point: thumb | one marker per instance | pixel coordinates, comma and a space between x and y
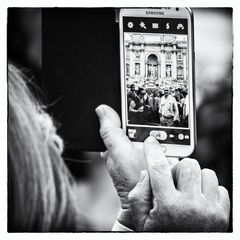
140, 200
113, 136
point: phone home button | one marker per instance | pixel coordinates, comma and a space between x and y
159, 135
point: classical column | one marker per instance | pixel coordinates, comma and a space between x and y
146, 69
163, 65
132, 63
184, 66
159, 69
157, 81
174, 65
142, 64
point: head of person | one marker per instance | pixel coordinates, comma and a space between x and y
41, 193
156, 93
148, 91
132, 87
141, 92
184, 92
166, 91
177, 92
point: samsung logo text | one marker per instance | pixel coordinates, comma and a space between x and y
154, 13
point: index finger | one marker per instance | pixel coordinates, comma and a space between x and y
159, 169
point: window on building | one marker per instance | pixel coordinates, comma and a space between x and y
179, 56
168, 71
137, 54
180, 72
168, 56
127, 69
137, 68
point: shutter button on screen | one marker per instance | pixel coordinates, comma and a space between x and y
159, 135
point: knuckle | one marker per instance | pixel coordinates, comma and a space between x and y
108, 133
190, 166
225, 220
194, 204
190, 162
218, 217
133, 196
104, 132
223, 190
222, 220
106, 137
169, 205
158, 166
157, 209
208, 172
224, 197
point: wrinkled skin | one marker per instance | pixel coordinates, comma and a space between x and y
124, 159
160, 199
187, 200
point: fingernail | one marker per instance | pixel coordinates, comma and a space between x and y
100, 111
151, 139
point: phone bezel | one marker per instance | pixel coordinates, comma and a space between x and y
173, 150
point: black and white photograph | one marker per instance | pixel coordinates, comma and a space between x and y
119, 119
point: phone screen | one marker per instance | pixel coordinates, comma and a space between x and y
156, 79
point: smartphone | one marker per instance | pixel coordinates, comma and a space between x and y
157, 77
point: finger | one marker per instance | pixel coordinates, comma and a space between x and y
107, 115
142, 190
223, 198
210, 184
188, 176
140, 200
159, 169
113, 136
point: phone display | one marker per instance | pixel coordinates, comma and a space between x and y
157, 77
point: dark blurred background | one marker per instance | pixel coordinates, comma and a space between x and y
213, 49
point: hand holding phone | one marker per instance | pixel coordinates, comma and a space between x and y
125, 161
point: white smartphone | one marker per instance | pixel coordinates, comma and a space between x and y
157, 77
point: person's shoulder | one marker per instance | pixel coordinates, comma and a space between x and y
150, 98
129, 93
172, 98
133, 101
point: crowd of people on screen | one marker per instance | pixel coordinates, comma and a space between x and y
165, 106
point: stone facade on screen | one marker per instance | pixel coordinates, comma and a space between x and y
156, 60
